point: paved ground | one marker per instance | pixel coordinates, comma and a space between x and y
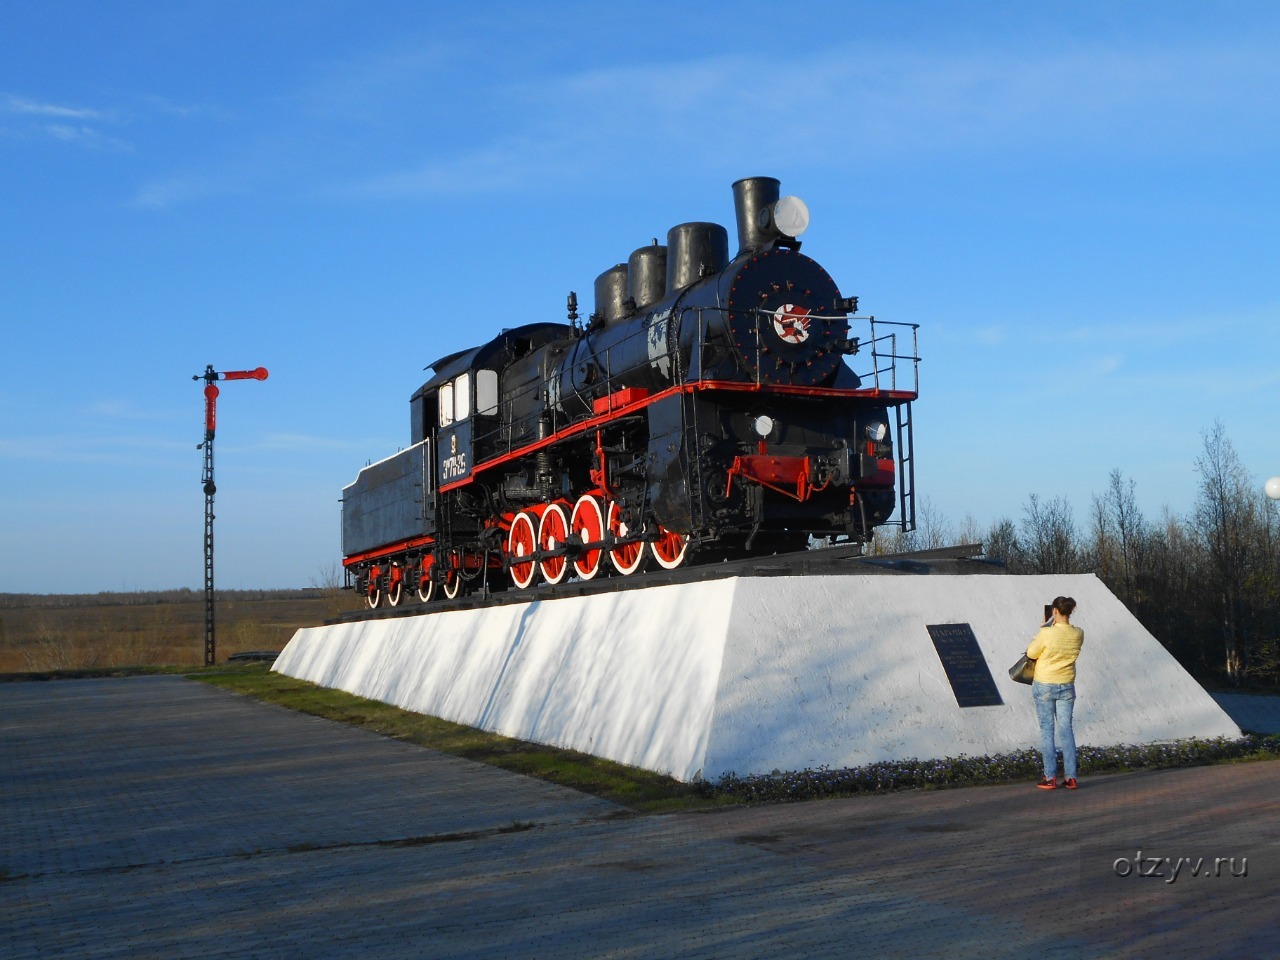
154, 817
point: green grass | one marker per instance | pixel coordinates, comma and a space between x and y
639, 790
646, 792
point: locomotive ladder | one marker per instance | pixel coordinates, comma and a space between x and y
907, 464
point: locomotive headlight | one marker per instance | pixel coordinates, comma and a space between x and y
877, 431
763, 425
791, 216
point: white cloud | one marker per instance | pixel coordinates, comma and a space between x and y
81, 126
1104, 366
24, 106
171, 191
496, 168
87, 136
844, 102
370, 87
166, 107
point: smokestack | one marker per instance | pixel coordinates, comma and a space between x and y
753, 196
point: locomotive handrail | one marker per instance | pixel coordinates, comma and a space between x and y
510, 436
882, 347
892, 355
884, 363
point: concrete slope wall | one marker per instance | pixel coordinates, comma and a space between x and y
630, 676
761, 674
841, 671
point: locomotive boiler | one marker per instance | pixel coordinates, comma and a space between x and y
711, 406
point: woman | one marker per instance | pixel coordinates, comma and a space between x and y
1055, 649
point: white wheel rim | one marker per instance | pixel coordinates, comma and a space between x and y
546, 541
452, 585
516, 550
584, 568
395, 593
426, 591
679, 558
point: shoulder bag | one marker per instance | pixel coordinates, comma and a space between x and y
1023, 671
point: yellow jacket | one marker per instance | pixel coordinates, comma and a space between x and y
1055, 650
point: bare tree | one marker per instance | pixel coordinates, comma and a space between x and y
933, 530
328, 579
888, 540
968, 531
1119, 530
1002, 544
1169, 585
1224, 514
1049, 536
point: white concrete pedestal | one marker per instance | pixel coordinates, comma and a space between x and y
751, 675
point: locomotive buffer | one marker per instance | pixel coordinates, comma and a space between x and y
210, 376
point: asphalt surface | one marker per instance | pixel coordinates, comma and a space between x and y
158, 817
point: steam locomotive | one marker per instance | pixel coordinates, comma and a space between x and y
708, 408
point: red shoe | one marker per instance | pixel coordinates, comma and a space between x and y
1071, 783
1050, 783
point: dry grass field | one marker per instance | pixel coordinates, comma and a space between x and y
41, 633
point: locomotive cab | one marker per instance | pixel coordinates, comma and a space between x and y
467, 407
478, 417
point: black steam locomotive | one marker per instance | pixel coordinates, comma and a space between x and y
708, 408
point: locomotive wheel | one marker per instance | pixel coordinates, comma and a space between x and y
551, 534
395, 588
452, 584
373, 595
521, 542
670, 548
588, 523
627, 558
426, 586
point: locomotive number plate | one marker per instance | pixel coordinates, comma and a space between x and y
455, 453
451, 468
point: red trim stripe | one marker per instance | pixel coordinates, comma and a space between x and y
592, 423
382, 553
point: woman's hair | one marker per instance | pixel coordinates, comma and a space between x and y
1064, 605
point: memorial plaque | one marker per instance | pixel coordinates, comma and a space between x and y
966, 667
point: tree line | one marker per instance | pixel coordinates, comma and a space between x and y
1207, 584
140, 598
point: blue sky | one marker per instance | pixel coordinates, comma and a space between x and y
1078, 204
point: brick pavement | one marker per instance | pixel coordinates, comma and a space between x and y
154, 817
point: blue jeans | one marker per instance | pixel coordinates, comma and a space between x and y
1054, 705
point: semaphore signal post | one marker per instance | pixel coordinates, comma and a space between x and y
210, 377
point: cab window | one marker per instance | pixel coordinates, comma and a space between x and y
462, 397
487, 393
446, 404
